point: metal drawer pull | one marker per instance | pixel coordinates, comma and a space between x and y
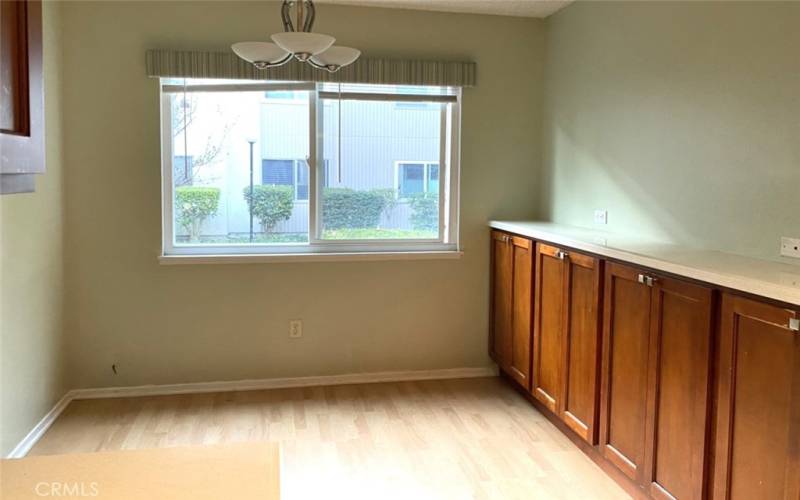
647, 280
794, 324
562, 255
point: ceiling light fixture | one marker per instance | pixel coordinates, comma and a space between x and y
297, 41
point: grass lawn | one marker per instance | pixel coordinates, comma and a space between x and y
328, 234
378, 234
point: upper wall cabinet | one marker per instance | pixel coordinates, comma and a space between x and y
21, 95
758, 402
512, 282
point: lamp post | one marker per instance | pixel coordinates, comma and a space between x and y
251, 142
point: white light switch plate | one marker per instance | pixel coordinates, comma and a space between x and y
601, 216
790, 247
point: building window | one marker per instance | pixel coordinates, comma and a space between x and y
335, 148
292, 173
415, 178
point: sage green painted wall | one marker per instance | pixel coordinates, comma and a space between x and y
31, 274
681, 119
164, 324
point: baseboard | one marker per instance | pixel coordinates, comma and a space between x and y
240, 385
24, 446
281, 383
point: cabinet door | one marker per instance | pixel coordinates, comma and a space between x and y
758, 403
678, 389
502, 279
581, 345
22, 95
626, 339
522, 290
548, 354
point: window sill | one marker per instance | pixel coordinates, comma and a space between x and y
171, 260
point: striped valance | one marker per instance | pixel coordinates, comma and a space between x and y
227, 65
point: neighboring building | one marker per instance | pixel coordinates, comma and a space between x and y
384, 145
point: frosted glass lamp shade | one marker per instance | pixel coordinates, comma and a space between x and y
336, 57
303, 44
259, 53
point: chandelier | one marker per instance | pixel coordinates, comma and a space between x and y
297, 41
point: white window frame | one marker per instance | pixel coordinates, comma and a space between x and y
449, 178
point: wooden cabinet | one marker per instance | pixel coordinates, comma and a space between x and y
548, 338
21, 95
689, 396
678, 389
656, 374
757, 449
512, 286
626, 342
565, 352
502, 283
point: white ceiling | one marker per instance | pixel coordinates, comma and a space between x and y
520, 8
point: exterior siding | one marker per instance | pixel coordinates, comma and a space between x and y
374, 136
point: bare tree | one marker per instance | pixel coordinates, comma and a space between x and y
184, 113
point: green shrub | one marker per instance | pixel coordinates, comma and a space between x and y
344, 208
425, 211
194, 205
390, 200
270, 204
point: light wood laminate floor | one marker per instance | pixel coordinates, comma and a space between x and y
449, 439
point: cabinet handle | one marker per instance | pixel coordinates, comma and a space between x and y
562, 255
794, 324
647, 280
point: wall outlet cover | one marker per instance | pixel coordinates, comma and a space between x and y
790, 247
601, 216
295, 328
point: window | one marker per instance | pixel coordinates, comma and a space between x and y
417, 178
292, 173
268, 167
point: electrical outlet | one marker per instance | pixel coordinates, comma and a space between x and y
601, 216
295, 328
790, 247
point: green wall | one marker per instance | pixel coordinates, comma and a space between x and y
31, 274
681, 119
163, 324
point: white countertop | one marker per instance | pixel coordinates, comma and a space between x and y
773, 280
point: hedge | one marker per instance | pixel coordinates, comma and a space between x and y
270, 204
425, 211
344, 208
194, 205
